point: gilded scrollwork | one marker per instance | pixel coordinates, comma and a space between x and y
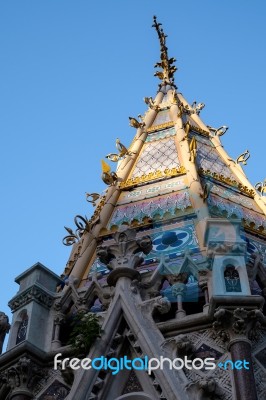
218, 131
243, 158
221, 178
261, 187
82, 224
153, 176
92, 198
160, 127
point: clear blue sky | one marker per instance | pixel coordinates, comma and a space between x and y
71, 72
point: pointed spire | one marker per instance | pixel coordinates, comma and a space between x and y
166, 63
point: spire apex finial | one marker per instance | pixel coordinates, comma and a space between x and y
168, 69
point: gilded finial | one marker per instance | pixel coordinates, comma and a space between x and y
166, 63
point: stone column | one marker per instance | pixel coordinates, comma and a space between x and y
178, 282
245, 385
236, 326
56, 343
203, 284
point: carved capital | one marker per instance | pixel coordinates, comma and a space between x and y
24, 375
203, 279
184, 345
123, 256
179, 289
205, 389
239, 322
162, 304
224, 247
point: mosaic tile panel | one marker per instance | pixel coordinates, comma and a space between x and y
156, 156
162, 117
152, 190
161, 134
209, 159
150, 208
260, 379
56, 391
203, 340
222, 207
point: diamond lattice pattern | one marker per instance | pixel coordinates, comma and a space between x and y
209, 159
156, 156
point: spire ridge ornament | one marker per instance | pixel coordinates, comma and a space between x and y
166, 63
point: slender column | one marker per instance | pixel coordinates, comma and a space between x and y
57, 326
89, 242
235, 326
195, 188
244, 378
203, 284
180, 313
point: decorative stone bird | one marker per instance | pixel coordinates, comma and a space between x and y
123, 151
149, 101
135, 123
197, 107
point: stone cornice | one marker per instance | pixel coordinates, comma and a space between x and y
33, 293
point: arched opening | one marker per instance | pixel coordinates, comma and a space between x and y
22, 323
232, 279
